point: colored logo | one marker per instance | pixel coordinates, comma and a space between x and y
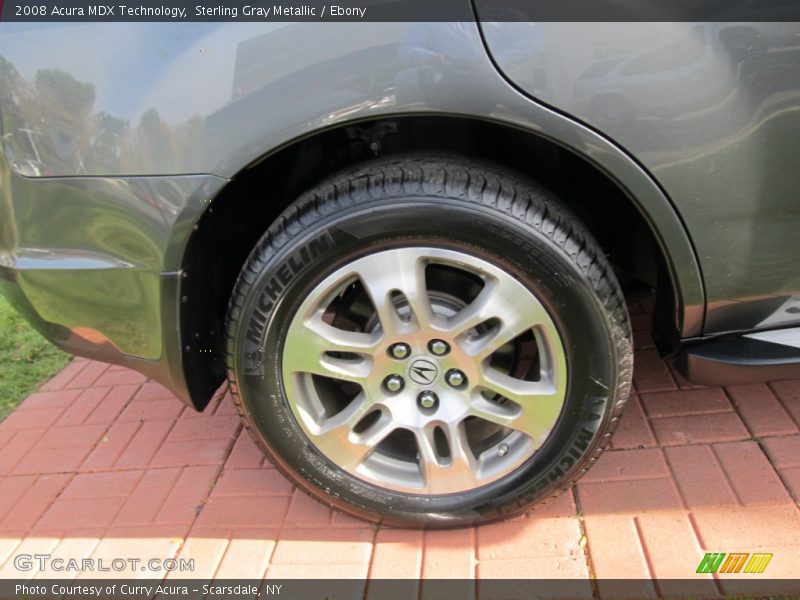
741, 562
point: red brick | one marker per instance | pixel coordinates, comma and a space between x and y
633, 430
789, 393
350, 578
82, 407
8, 544
248, 558
88, 375
112, 378
650, 374
62, 378
628, 464
528, 537
634, 308
136, 542
152, 410
339, 519
563, 505
192, 452
397, 555
77, 545
617, 553
49, 400
763, 526
518, 574
112, 405
153, 391
206, 552
449, 554
673, 554
78, 436
243, 512
31, 418
62, 449
761, 410
792, 479
751, 474
19, 445
102, 485
784, 451
144, 445
226, 407
146, 500
245, 453
252, 482
110, 447
5, 437
31, 546
207, 428
305, 511
699, 429
700, 477
75, 514
335, 546
628, 496
58, 460
641, 322
686, 402
33, 504
642, 339
12, 489
186, 499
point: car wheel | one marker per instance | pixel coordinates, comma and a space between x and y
429, 341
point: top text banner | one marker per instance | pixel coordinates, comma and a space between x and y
403, 10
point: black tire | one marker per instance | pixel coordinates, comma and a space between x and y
452, 202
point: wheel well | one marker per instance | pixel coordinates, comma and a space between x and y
233, 223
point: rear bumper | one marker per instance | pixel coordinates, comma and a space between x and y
93, 263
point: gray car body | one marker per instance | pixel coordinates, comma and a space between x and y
117, 139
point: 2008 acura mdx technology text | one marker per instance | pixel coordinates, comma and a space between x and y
407, 246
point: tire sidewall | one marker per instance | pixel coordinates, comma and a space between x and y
320, 244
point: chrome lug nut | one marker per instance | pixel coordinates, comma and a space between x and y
393, 383
455, 378
438, 347
427, 399
400, 350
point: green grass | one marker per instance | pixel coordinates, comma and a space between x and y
26, 359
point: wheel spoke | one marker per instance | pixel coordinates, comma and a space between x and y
339, 442
501, 301
538, 403
404, 272
443, 472
309, 343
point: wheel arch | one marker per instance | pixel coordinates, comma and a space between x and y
216, 237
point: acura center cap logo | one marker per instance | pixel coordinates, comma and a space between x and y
423, 371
